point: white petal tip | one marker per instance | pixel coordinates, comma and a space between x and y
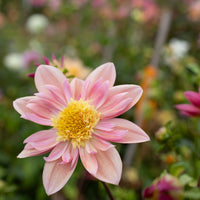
140, 91
114, 182
146, 140
21, 155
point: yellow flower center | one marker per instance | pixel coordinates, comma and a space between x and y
76, 122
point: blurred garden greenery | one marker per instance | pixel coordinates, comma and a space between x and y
91, 33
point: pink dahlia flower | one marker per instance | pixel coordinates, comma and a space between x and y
192, 109
82, 115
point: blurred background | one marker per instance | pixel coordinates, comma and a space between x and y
153, 43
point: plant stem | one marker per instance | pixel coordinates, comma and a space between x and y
107, 190
163, 29
198, 184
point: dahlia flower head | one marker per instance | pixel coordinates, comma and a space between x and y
82, 115
193, 109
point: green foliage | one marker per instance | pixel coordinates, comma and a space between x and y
192, 194
96, 35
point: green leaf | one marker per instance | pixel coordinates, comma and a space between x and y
192, 194
185, 179
194, 68
177, 168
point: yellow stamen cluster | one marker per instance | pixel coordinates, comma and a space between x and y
76, 122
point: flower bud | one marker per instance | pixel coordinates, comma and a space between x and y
164, 187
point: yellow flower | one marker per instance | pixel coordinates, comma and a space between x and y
71, 67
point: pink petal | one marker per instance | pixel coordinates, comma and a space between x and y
76, 87
46, 60
89, 147
43, 109
100, 144
88, 154
56, 175
31, 151
42, 135
48, 103
21, 106
32, 75
48, 75
116, 110
190, 109
88, 88
133, 133
37, 119
133, 91
67, 90
104, 126
42, 140
193, 97
113, 101
187, 114
99, 94
85, 89
39, 143
70, 155
49, 98
57, 94
106, 72
89, 161
75, 154
109, 166
118, 97
114, 135
57, 152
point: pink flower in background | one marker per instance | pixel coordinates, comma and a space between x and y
192, 109
37, 3
194, 10
122, 12
97, 3
149, 9
166, 187
30, 57
82, 115
54, 5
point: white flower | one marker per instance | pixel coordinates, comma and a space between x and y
14, 61
36, 23
179, 48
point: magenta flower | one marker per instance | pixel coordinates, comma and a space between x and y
166, 187
192, 109
82, 115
